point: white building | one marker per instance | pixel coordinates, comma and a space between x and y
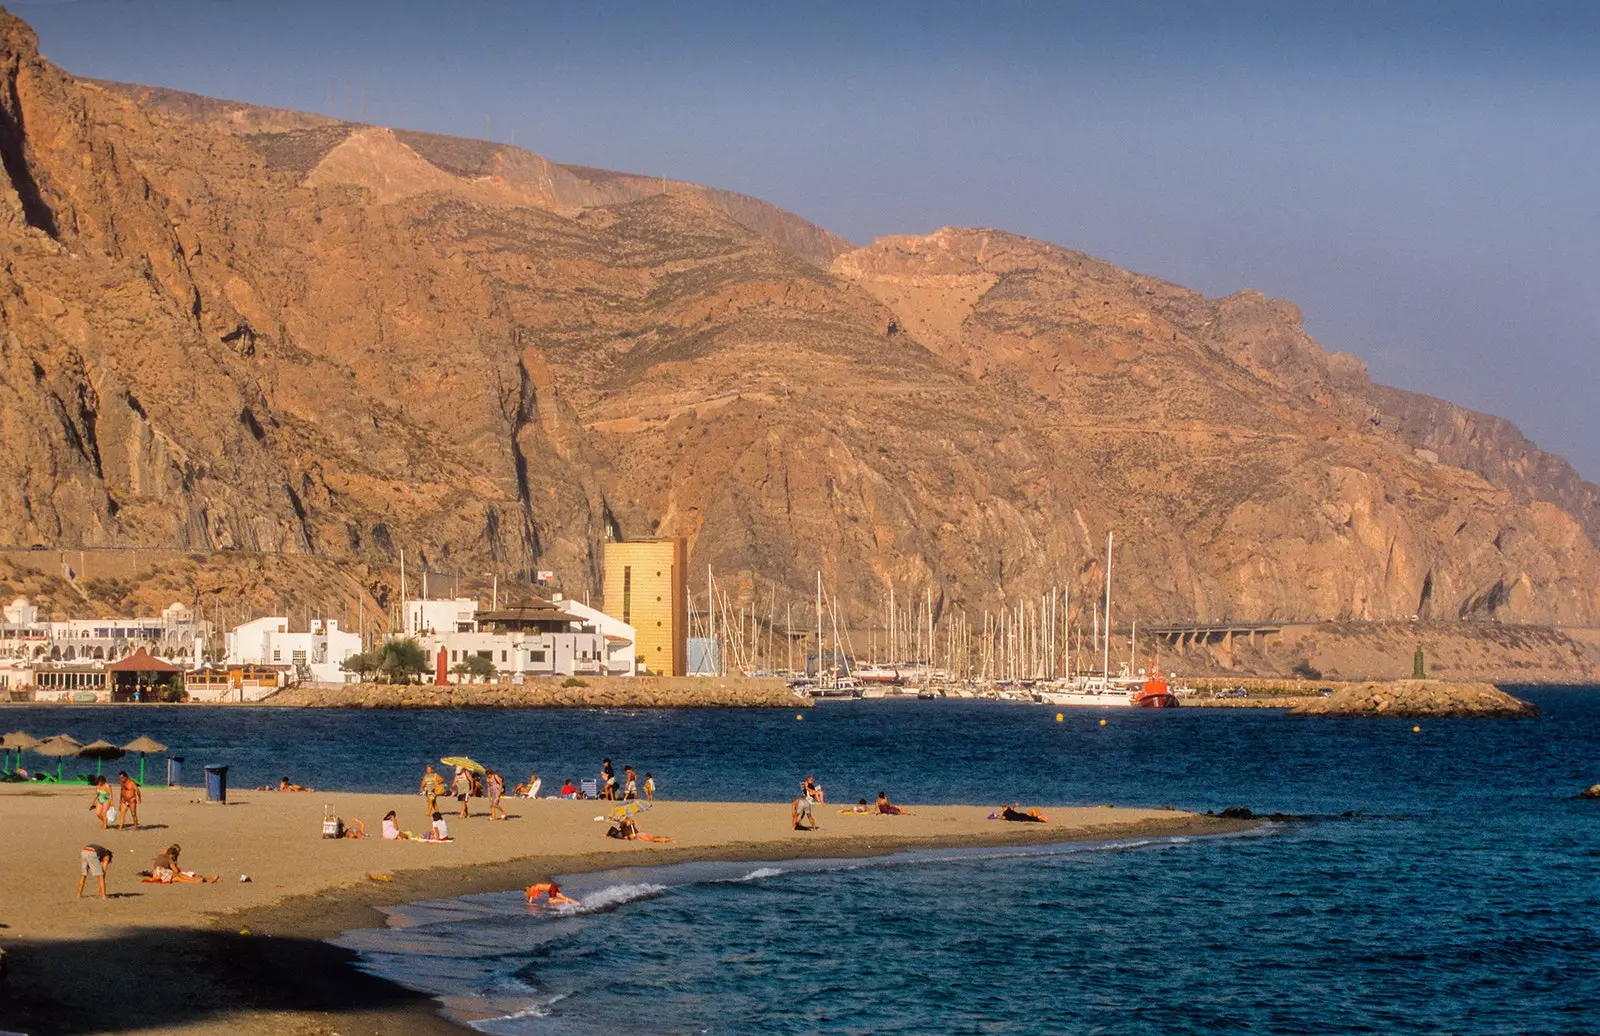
175, 636
546, 638
423, 618
618, 636
315, 654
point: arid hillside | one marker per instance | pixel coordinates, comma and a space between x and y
235, 329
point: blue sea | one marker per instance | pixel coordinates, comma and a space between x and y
1461, 894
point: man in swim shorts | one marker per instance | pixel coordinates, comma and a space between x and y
129, 807
93, 861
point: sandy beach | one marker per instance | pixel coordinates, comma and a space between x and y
247, 957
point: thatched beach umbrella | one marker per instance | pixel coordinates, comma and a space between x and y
17, 741
100, 751
59, 746
143, 745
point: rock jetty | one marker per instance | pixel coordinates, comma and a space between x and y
1417, 698
639, 692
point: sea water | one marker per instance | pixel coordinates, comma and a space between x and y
1462, 894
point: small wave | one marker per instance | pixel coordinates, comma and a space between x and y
761, 872
613, 896
539, 1009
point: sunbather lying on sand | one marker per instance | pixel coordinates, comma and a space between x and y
1032, 816
549, 890
165, 870
860, 807
624, 828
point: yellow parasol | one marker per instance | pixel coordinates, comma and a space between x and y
627, 808
461, 762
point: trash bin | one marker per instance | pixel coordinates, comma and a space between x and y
174, 770
216, 784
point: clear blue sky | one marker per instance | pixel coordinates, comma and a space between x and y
1420, 179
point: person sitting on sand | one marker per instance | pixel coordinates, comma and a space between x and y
567, 790
860, 807
391, 827
93, 860
626, 829
285, 784
100, 802
550, 891
354, 828
800, 816
166, 870
630, 783
1032, 816
128, 809
889, 809
812, 790
439, 832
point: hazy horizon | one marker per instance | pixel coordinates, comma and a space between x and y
1418, 180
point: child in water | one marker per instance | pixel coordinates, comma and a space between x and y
550, 891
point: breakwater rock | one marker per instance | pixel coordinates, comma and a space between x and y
1417, 698
637, 692
1591, 792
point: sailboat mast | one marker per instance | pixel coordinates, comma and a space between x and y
1106, 670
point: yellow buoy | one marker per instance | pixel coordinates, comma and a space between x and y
1416, 730
1059, 717
799, 716
1102, 723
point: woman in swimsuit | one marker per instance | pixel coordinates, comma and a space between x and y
497, 787
167, 872
101, 803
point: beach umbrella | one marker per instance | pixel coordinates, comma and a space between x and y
461, 762
143, 745
17, 741
100, 751
59, 746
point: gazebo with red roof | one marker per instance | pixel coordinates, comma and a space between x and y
139, 677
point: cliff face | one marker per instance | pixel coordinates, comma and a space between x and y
232, 327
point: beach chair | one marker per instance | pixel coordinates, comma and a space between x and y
589, 789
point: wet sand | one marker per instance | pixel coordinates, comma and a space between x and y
248, 958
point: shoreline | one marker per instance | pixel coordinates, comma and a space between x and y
248, 959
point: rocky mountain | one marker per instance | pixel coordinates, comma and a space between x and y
228, 328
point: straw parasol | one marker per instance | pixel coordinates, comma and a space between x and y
461, 762
59, 746
17, 741
100, 751
143, 745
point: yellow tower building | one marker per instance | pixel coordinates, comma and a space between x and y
646, 587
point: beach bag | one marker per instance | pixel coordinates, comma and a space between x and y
111, 815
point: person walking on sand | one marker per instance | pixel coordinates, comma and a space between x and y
129, 808
462, 786
496, 785
432, 787
608, 780
649, 788
93, 860
100, 802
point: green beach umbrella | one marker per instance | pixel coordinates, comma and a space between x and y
100, 751
60, 747
143, 745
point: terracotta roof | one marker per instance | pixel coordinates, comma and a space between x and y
141, 662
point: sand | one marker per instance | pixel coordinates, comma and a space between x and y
247, 957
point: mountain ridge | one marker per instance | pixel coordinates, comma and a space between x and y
217, 330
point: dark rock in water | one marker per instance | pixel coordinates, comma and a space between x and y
1237, 813
1591, 792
